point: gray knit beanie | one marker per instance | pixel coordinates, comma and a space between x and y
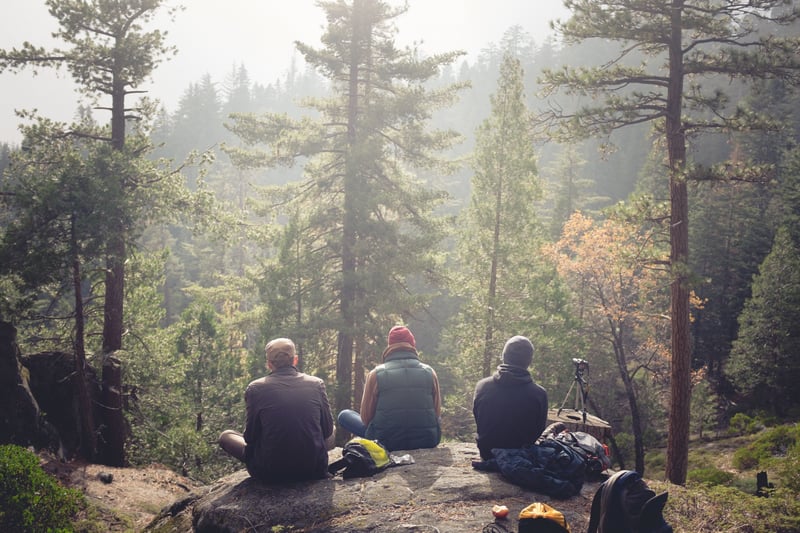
518, 351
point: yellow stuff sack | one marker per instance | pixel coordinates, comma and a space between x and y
541, 518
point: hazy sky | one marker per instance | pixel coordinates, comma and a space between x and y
214, 35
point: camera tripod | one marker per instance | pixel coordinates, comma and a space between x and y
581, 367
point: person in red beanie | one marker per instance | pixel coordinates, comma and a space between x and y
401, 404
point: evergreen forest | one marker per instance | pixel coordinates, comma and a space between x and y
625, 192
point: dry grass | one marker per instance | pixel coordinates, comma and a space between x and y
731, 506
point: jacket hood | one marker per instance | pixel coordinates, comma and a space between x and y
512, 375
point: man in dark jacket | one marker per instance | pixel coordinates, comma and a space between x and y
289, 427
510, 409
401, 404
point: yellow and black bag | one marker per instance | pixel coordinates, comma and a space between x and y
361, 458
541, 518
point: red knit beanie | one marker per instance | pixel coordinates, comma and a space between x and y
401, 334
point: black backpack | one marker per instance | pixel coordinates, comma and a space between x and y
625, 504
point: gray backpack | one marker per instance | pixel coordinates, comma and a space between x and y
594, 453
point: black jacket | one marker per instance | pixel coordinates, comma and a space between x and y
510, 410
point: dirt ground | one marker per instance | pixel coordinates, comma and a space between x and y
127, 500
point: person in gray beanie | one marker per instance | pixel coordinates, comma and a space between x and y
510, 409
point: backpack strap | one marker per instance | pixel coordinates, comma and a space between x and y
594, 515
604, 498
341, 464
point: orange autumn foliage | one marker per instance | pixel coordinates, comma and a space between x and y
619, 278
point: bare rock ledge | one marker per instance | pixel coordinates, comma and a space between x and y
441, 492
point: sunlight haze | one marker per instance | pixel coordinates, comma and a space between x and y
213, 36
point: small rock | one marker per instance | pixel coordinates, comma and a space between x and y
105, 477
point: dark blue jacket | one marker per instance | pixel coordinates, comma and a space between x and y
550, 467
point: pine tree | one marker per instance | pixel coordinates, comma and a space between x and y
763, 363
500, 233
730, 237
5, 158
366, 221
237, 91
58, 204
196, 124
686, 39
109, 55
568, 190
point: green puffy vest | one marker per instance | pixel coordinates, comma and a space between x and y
405, 418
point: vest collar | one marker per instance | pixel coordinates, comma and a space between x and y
400, 350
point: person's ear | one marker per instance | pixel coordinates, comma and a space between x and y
296, 360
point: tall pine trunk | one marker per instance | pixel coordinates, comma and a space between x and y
680, 385
113, 421
488, 348
344, 358
85, 404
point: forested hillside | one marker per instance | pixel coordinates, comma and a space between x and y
535, 191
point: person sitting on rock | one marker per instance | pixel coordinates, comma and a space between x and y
510, 409
401, 404
289, 427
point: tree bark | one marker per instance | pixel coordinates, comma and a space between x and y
86, 407
115, 262
620, 354
113, 419
113, 429
490, 300
680, 384
344, 358
359, 367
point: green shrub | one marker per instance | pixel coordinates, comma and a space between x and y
766, 419
746, 458
774, 442
742, 424
31, 500
709, 476
788, 469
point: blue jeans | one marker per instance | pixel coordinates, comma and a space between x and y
351, 421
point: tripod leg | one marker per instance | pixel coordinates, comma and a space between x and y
566, 398
583, 393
